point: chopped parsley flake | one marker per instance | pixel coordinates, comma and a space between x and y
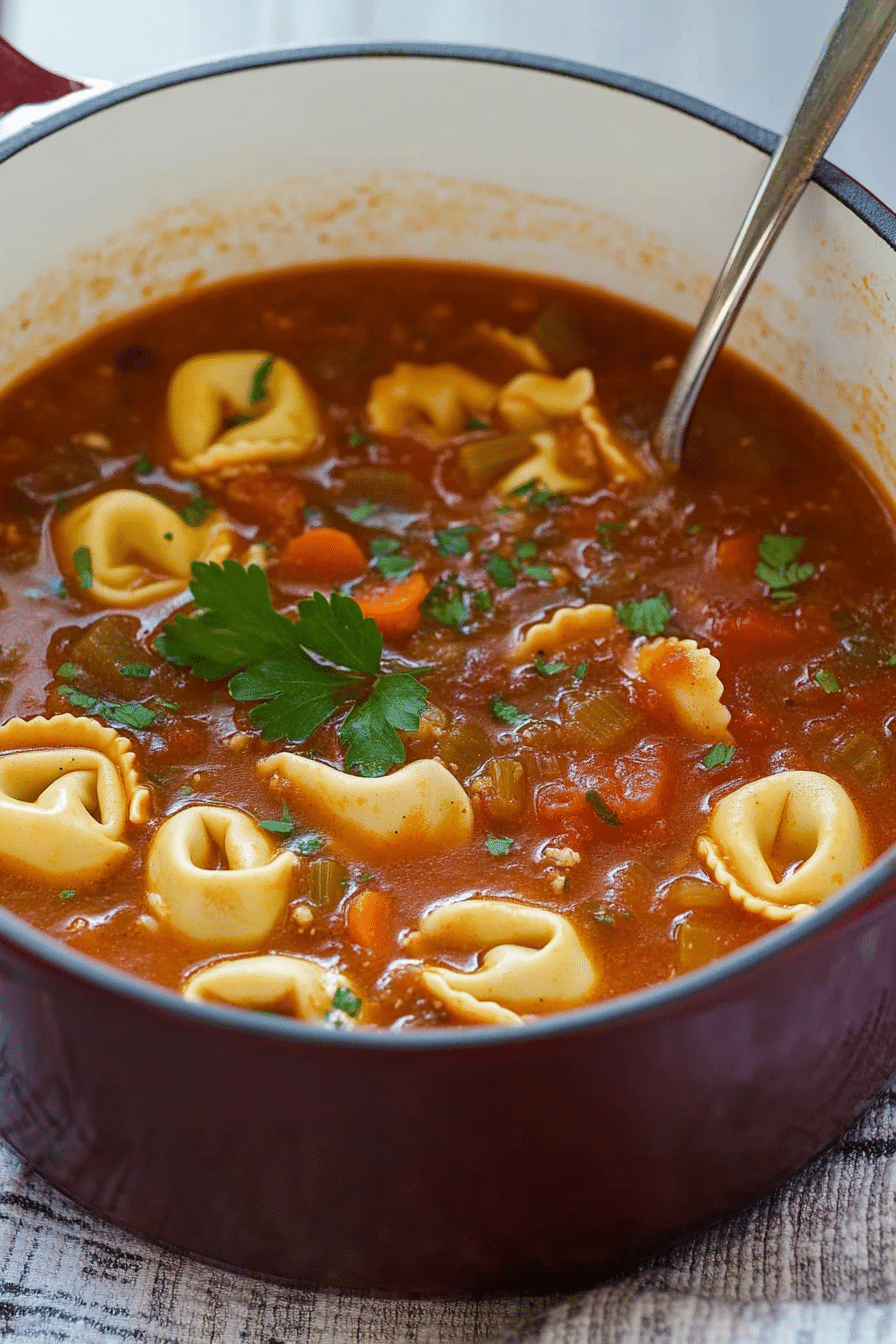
827, 681
720, 754
284, 826
455, 541
475, 423
67, 895
649, 617
501, 571
259, 389
359, 438
387, 560
483, 598
346, 1001
695, 529
57, 588
83, 566
444, 603
580, 670
499, 845
309, 842
361, 512
525, 550
537, 495
605, 813
120, 714
548, 669
132, 670
541, 573
605, 534
68, 671
196, 512
503, 709
603, 914
143, 466
169, 536
778, 566
63, 505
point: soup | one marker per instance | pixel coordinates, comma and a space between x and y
359, 664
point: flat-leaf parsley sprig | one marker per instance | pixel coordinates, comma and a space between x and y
237, 633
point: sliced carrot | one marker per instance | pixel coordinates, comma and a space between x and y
738, 555
324, 553
367, 921
396, 608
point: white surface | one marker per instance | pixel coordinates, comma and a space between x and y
751, 58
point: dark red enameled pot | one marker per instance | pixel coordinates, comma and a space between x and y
482, 1159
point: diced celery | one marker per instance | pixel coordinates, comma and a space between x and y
327, 881
558, 332
484, 460
464, 748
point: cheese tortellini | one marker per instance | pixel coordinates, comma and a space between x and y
141, 551
532, 960
419, 809
213, 875
686, 677
545, 467
782, 844
275, 983
281, 425
430, 400
534, 401
69, 788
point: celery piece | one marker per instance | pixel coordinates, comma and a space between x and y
327, 881
507, 778
484, 460
376, 485
557, 331
464, 748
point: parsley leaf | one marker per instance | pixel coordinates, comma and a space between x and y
604, 531
131, 670
68, 895
503, 709
361, 512
196, 512
444, 603
827, 681
525, 550
501, 571
303, 695
396, 701
720, 754
143, 466
346, 1001
388, 562
259, 389
498, 845
606, 814
778, 566
284, 826
541, 573
68, 671
309, 842
339, 631
120, 714
548, 669
483, 598
537, 495
358, 438
475, 423
580, 670
83, 566
649, 617
455, 541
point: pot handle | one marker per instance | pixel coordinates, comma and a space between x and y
21, 81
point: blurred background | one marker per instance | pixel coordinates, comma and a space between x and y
752, 58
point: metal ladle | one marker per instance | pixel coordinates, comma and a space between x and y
853, 49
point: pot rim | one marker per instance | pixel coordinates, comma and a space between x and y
669, 995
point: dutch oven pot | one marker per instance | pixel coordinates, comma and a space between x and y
484, 1158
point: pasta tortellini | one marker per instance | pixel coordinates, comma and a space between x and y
433, 400
532, 960
420, 808
207, 389
140, 550
567, 626
213, 875
686, 676
782, 844
523, 348
281, 983
69, 787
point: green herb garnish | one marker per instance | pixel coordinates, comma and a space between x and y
143, 466
358, 438
483, 598
455, 541
541, 573
283, 826
68, 671
537, 495
718, 755
605, 531
827, 681
387, 560
548, 669
525, 550
503, 709
580, 670
346, 1001
649, 617
606, 814
501, 571
602, 913
444, 603
238, 634
778, 568
132, 670
361, 512
68, 894
83, 566
196, 512
475, 423
63, 505
259, 389
309, 842
120, 714
498, 845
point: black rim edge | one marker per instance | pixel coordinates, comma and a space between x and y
611, 1012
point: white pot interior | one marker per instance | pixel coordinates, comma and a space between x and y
452, 159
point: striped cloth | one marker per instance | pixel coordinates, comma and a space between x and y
815, 1262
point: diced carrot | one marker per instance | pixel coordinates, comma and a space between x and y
367, 921
561, 804
324, 553
738, 554
396, 608
638, 786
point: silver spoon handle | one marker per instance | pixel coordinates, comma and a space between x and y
853, 49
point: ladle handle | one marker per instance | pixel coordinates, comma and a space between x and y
853, 49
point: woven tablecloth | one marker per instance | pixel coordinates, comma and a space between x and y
814, 1261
